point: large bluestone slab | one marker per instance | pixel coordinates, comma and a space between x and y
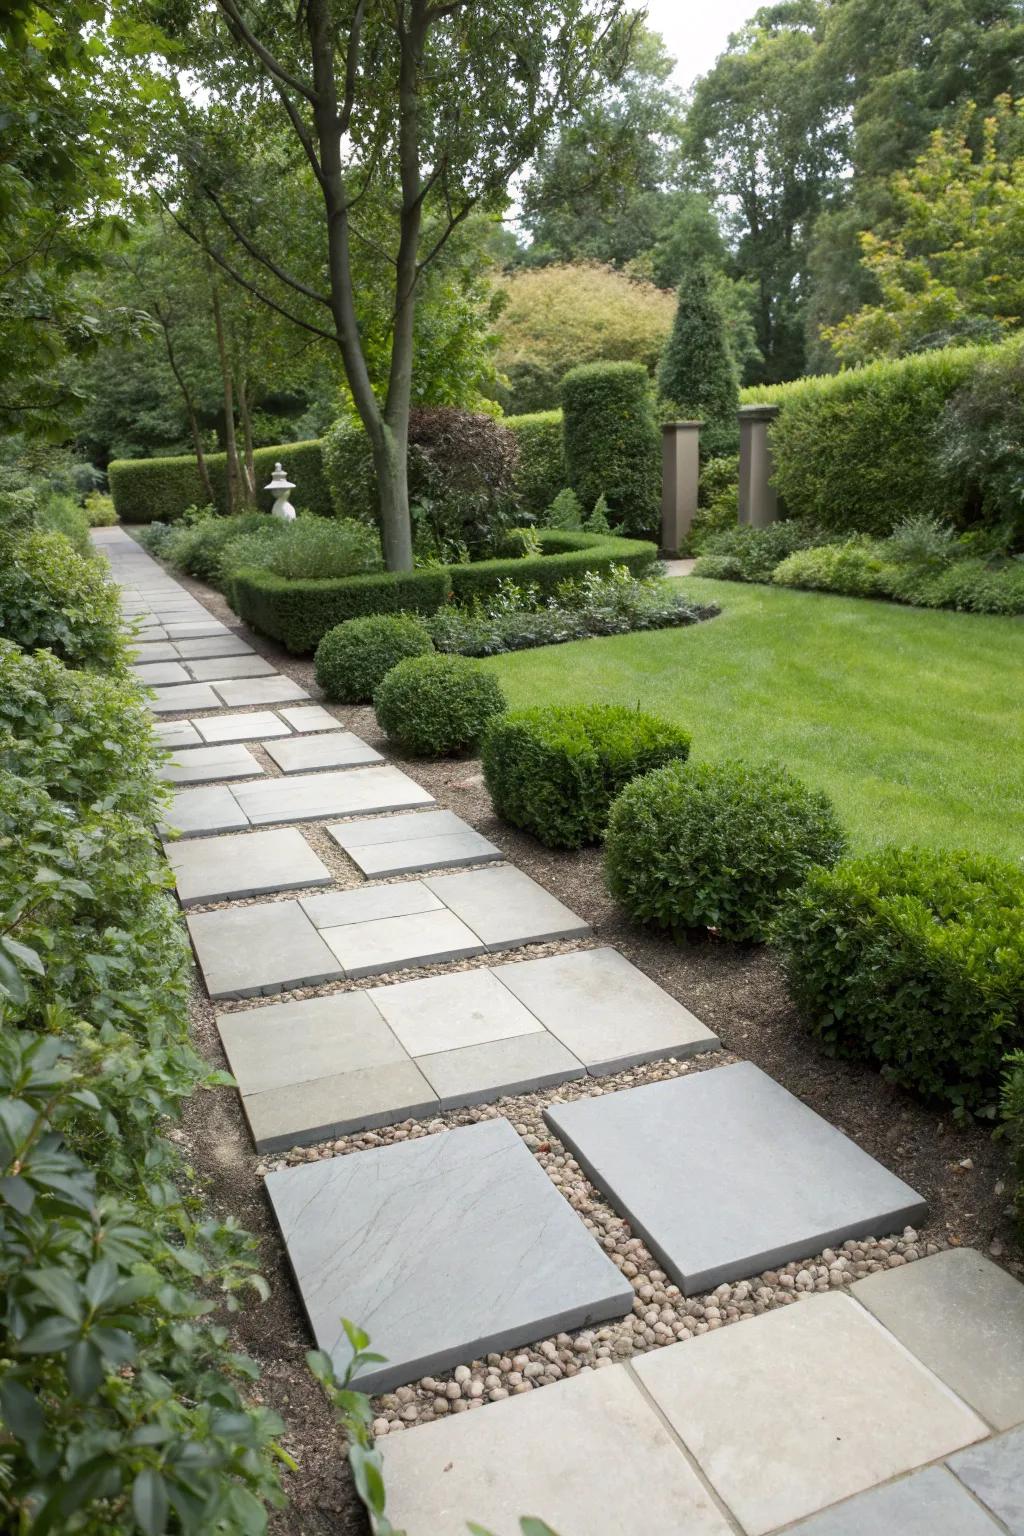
310, 717
391, 943
246, 951
803, 1407
320, 1067
927, 1503
332, 749
199, 765
200, 812
589, 1455
606, 1011
195, 629
725, 1174
444, 1013
154, 650
245, 691
256, 726
214, 645
176, 733
476, 1074
994, 1472
252, 864
215, 669
406, 845
964, 1317
445, 1248
506, 908
349, 792
183, 696
157, 674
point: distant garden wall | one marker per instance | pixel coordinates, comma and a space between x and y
159, 490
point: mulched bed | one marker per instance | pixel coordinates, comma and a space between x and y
737, 992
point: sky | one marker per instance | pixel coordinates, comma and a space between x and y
696, 31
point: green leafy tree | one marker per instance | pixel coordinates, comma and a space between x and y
697, 372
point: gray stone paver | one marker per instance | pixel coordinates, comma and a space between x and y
445, 1248
422, 938
802, 1407
303, 1039
198, 812
246, 951
964, 1317
311, 717
154, 650
332, 749
590, 1455
254, 727
183, 696
994, 1472
476, 1074
443, 1013
347, 792
360, 1100
927, 1503
506, 908
176, 733
249, 864
725, 1174
194, 629
239, 693
605, 1010
409, 844
147, 633
214, 645
366, 904
197, 765
214, 669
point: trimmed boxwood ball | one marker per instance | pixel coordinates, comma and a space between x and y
555, 772
352, 658
716, 846
913, 959
436, 706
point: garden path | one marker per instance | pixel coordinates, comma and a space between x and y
895, 1400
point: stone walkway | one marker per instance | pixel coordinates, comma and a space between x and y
894, 1403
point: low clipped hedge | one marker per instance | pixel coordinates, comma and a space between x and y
555, 772
353, 658
913, 959
436, 705
716, 846
541, 472
299, 613
159, 490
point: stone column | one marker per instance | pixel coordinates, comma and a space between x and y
680, 459
759, 504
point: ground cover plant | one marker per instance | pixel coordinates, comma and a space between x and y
716, 846
437, 706
909, 720
555, 771
914, 960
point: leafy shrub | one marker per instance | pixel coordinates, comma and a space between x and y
54, 598
971, 586
717, 502
198, 546
1012, 1129
353, 658
155, 537
759, 550
980, 440
612, 442
716, 846
540, 471
597, 521
436, 706
348, 466
855, 569
913, 959
99, 509
555, 771
564, 512
322, 548
921, 540
60, 514
719, 568
159, 490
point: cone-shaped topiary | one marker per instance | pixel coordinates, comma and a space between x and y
697, 373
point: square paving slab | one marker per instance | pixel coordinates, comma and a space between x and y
964, 1317
243, 691
802, 1407
475, 1074
994, 1472
246, 951
399, 845
176, 733
391, 943
175, 700
349, 792
443, 1013
506, 908
608, 1013
195, 629
333, 749
445, 1248
213, 669
928, 1503
214, 645
252, 864
197, 765
157, 674
311, 717
361, 1100
197, 812
256, 726
146, 633
155, 650
367, 903
725, 1174
588, 1455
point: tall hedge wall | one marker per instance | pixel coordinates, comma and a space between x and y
612, 442
860, 450
152, 490
541, 472
299, 613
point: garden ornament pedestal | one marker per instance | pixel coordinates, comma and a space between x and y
281, 485
680, 458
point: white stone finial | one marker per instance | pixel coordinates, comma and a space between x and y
281, 485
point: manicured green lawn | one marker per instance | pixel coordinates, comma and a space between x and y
912, 721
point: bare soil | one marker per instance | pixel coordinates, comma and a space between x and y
736, 991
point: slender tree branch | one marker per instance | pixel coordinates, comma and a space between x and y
265, 261
439, 245
301, 131
351, 66
238, 26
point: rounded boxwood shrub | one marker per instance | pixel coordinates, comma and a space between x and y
716, 845
555, 772
353, 658
912, 958
434, 706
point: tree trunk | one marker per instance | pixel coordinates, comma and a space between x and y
231, 475
391, 465
193, 419
249, 465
